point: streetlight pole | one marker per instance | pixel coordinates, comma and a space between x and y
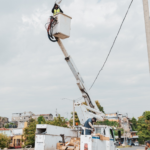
73, 110
73, 114
147, 26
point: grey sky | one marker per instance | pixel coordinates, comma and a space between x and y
34, 75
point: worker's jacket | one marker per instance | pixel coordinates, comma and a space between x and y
88, 132
54, 11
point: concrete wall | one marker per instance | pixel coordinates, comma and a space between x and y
17, 131
6, 132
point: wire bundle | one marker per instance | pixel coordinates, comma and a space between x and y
51, 24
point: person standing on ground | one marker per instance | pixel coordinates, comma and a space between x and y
89, 124
147, 145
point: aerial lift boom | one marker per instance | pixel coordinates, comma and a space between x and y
80, 82
84, 112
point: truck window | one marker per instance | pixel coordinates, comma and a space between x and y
112, 134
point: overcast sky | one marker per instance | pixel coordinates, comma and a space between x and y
34, 75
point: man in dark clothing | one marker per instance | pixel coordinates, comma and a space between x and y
56, 9
89, 124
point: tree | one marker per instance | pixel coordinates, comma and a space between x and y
143, 127
147, 115
58, 121
10, 125
119, 129
29, 133
41, 120
76, 119
4, 141
99, 106
108, 123
134, 124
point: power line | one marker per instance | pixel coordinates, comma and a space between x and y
112, 45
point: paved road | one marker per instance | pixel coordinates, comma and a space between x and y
133, 148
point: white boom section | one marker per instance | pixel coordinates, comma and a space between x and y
80, 82
84, 112
147, 26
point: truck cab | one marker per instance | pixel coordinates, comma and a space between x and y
102, 138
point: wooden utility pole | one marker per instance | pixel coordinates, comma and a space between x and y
147, 26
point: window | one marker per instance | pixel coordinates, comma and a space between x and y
111, 134
104, 132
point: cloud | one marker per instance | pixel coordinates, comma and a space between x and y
34, 75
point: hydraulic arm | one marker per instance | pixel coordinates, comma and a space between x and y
84, 112
77, 75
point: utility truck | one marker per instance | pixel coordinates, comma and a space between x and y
50, 137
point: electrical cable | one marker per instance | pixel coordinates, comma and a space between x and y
112, 45
51, 24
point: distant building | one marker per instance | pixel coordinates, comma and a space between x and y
6, 131
112, 117
15, 134
47, 117
21, 118
124, 123
3, 121
17, 138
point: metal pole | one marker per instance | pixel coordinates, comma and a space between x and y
73, 114
124, 137
147, 26
62, 48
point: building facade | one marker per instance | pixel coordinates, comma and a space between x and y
47, 117
3, 121
16, 136
7, 132
21, 118
129, 136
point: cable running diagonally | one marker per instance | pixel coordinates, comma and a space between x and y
112, 45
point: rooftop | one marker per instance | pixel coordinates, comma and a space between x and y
1, 129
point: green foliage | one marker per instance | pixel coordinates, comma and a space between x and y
41, 120
119, 129
147, 115
76, 119
10, 125
29, 133
58, 121
4, 141
99, 106
143, 127
108, 123
7, 125
134, 124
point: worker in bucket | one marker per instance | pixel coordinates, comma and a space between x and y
89, 124
56, 9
